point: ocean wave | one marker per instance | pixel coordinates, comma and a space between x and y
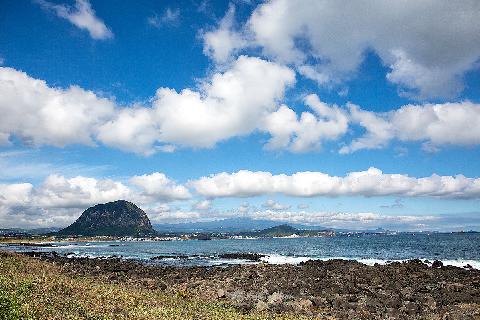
281, 259
475, 264
78, 245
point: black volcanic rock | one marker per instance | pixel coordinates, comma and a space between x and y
118, 218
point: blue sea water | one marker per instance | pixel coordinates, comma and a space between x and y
457, 249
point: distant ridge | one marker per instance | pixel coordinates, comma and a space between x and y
229, 225
117, 218
286, 230
277, 231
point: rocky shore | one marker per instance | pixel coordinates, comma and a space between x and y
326, 289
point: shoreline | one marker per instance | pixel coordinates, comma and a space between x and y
336, 288
225, 258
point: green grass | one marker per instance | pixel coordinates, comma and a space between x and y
34, 289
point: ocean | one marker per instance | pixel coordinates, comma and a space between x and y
458, 249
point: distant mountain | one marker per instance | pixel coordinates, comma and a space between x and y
285, 230
40, 231
230, 225
36, 231
221, 226
118, 218
277, 231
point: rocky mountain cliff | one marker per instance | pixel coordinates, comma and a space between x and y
118, 218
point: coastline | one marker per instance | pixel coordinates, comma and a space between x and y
367, 249
333, 288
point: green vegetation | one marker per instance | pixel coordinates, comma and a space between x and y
34, 289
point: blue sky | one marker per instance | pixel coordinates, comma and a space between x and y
199, 110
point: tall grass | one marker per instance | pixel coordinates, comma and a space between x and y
34, 289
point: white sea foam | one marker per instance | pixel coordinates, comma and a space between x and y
279, 259
230, 261
95, 256
79, 245
475, 264
371, 262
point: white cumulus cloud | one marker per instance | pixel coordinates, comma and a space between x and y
202, 205
58, 200
351, 220
39, 114
232, 103
223, 41
273, 205
131, 129
244, 99
159, 186
77, 192
15, 193
434, 124
427, 45
369, 183
307, 132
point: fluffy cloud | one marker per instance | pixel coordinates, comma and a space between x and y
82, 16
202, 205
220, 43
78, 192
60, 192
244, 208
58, 200
35, 217
131, 129
239, 101
369, 183
353, 220
243, 183
15, 194
378, 131
309, 131
39, 114
450, 123
232, 103
350, 220
273, 205
435, 42
434, 124
55, 202
159, 186
176, 216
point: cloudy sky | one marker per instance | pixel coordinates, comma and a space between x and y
336, 113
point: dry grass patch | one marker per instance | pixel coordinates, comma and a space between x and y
34, 289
